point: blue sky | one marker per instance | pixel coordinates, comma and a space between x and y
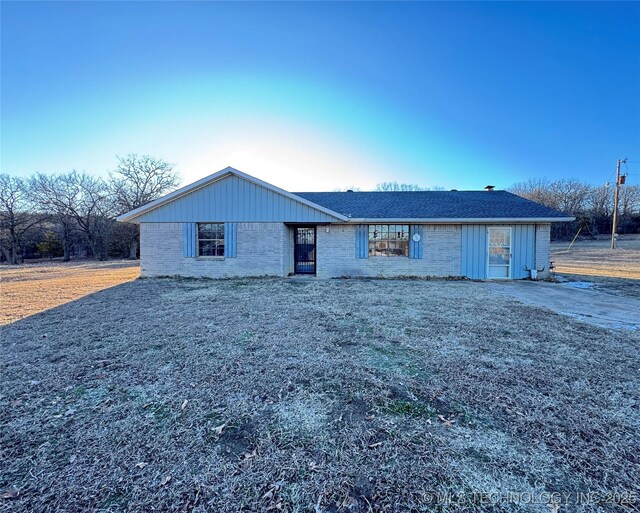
316, 96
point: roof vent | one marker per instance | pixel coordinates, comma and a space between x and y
489, 187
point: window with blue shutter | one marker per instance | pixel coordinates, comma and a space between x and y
210, 240
388, 240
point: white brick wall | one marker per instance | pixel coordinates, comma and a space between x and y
266, 249
161, 248
337, 254
288, 251
543, 241
260, 250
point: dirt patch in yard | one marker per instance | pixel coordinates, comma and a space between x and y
332, 396
32, 288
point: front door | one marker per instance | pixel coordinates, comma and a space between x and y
304, 250
499, 258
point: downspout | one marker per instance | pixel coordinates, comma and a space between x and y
535, 248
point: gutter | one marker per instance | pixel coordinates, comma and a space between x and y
461, 220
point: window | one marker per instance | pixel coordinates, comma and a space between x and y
211, 239
389, 240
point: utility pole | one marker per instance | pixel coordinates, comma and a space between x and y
616, 193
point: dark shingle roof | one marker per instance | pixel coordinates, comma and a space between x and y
431, 205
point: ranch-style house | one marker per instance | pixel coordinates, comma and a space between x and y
231, 224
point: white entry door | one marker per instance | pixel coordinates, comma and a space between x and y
499, 257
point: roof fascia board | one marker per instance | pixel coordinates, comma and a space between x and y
463, 220
207, 180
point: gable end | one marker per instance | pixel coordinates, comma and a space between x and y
231, 197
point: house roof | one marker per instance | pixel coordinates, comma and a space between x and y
434, 205
207, 180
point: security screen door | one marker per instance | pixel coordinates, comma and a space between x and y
305, 250
499, 261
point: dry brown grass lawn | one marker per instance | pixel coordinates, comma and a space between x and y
595, 258
32, 288
318, 396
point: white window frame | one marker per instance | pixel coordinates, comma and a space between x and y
510, 273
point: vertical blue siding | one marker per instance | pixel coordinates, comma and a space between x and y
362, 241
523, 249
234, 199
230, 240
415, 248
189, 240
474, 250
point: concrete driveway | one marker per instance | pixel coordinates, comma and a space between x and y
588, 305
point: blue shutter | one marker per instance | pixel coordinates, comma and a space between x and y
189, 240
415, 248
230, 236
362, 241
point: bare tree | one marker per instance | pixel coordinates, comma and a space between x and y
570, 195
138, 180
55, 197
93, 210
592, 206
600, 201
567, 195
17, 217
629, 201
535, 189
395, 187
76, 201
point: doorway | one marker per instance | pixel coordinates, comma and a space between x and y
499, 257
304, 250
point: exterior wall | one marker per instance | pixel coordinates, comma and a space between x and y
523, 250
336, 254
234, 199
288, 251
259, 252
526, 242
266, 249
474, 251
543, 245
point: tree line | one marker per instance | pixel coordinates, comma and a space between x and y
591, 205
72, 215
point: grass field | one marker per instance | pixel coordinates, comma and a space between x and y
595, 258
320, 396
615, 272
31, 288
